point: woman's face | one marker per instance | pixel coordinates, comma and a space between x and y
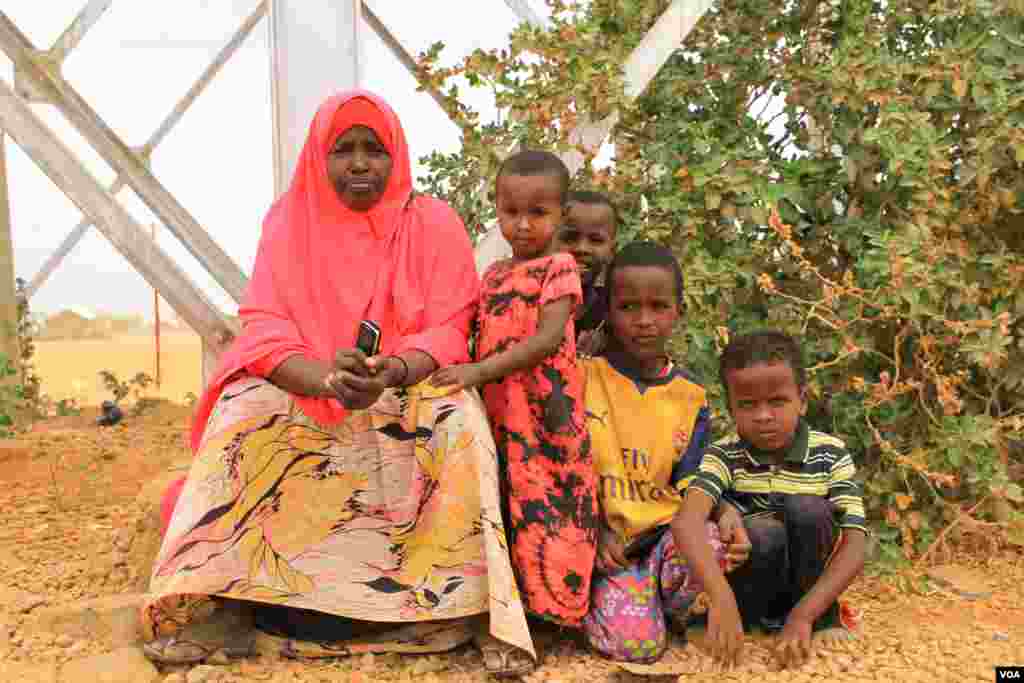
358, 166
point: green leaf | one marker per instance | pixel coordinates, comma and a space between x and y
1014, 493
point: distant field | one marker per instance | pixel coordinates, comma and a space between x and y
71, 368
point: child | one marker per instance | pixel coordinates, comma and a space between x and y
589, 234
649, 423
805, 515
533, 390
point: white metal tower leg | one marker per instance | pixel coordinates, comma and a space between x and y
130, 238
8, 299
400, 52
74, 33
522, 9
76, 234
315, 52
47, 80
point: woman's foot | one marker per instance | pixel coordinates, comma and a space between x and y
502, 660
228, 630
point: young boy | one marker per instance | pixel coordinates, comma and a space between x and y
804, 511
649, 423
591, 223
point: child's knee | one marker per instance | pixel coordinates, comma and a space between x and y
622, 648
811, 511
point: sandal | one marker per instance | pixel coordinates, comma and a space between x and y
229, 631
502, 660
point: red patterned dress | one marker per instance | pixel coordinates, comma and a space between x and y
549, 487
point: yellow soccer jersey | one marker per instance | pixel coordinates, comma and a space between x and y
647, 438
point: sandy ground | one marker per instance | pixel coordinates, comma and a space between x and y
71, 368
67, 487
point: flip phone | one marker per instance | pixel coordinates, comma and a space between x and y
368, 340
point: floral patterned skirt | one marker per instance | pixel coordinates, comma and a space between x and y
629, 607
391, 516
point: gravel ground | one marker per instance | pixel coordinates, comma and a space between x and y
67, 490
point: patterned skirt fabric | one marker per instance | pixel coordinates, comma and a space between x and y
392, 516
629, 607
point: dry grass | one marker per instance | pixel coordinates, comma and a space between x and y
70, 369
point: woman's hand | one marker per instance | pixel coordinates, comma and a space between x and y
458, 377
611, 551
355, 383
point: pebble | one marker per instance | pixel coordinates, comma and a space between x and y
29, 602
122, 539
1000, 636
203, 674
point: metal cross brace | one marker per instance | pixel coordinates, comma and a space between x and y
124, 232
62, 47
165, 127
121, 158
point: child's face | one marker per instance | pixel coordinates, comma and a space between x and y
766, 404
529, 211
643, 310
589, 235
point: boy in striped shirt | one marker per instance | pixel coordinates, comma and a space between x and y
803, 509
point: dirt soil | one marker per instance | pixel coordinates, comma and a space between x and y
67, 488
70, 368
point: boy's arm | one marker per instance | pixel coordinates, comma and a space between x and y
727, 516
725, 628
846, 564
697, 442
519, 356
844, 492
690, 534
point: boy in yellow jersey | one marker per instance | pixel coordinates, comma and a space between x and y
649, 423
803, 508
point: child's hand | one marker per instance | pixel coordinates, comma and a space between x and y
725, 630
737, 549
794, 645
458, 377
734, 536
590, 343
611, 552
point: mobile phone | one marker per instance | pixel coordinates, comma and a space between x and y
368, 340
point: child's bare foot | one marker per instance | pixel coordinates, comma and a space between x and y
837, 636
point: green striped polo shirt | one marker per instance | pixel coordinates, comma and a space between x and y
817, 464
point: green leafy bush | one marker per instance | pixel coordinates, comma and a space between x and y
851, 172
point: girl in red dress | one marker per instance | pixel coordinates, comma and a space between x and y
533, 389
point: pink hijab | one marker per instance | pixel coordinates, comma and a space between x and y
406, 264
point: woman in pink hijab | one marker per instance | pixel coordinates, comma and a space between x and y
331, 487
